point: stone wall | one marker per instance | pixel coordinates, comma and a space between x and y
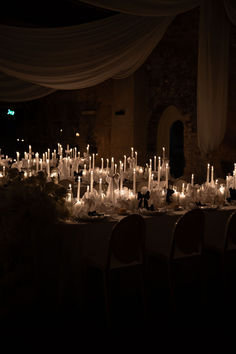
118, 114
172, 76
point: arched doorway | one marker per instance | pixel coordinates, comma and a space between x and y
176, 148
167, 130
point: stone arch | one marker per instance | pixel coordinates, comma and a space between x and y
170, 115
176, 155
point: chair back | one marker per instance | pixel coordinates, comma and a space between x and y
230, 232
188, 232
128, 240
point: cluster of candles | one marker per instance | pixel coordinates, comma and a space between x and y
156, 172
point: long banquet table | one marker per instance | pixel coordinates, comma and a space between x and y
78, 242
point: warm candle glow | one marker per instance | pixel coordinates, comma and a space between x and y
78, 189
192, 180
163, 153
132, 152
100, 186
91, 181
134, 181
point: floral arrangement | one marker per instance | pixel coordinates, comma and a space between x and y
28, 208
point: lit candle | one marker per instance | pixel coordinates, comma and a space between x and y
68, 165
112, 165
163, 153
89, 163
48, 168
159, 172
37, 161
150, 164
18, 156
132, 152
167, 174
222, 190
176, 197
208, 174
155, 163
30, 150
149, 179
100, 186
124, 163
87, 189
115, 168
181, 198
49, 154
102, 163
91, 181
136, 158
78, 189
121, 166
212, 175
40, 164
227, 181
88, 149
93, 161
192, 180
134, 181
84, 171
107, 164
69, 194
121, 180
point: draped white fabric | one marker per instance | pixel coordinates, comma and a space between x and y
146, 7
37, 61
212, 75
15, 90
230, 7
80, 56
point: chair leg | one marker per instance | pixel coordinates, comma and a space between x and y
143, 293
171, 288
107, 297
203, 281
223, 278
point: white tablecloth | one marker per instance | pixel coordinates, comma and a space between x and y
89, 240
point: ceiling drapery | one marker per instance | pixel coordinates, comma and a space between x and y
37, 61
212, 80
15, 90
80, 56
146, 7
230, 7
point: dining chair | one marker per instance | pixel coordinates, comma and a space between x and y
185, 256
187, 249
125, 250
228, 253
